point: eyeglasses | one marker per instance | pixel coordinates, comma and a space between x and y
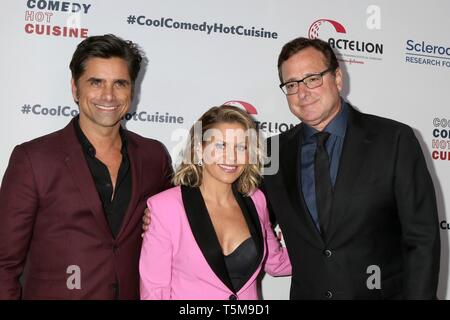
311, 82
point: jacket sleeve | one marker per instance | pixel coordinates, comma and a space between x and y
277, 262
155, 265
167, 170
416, 202
18, 206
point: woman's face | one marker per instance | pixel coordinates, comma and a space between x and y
224, 153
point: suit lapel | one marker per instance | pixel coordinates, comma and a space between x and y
136, 176
204, 233
290, 166
81, 175
357, 141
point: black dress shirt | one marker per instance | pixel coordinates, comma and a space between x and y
114, 207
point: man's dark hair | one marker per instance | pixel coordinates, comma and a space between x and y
298, 44
106, 46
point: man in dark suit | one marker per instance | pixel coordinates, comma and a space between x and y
353, 195
71, 202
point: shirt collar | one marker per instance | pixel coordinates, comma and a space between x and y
336, 127
88, 147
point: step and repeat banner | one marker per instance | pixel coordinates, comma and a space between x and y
395, 56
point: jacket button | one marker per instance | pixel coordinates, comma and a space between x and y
327, 253
328, 294
232, 297
115, 248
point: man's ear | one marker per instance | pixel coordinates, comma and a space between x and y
74, 90
339, 79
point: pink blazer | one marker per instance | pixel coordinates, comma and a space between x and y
182, 259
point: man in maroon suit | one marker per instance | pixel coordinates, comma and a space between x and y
71, 202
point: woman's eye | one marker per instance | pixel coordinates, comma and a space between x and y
220, 145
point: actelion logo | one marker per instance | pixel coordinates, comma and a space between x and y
242, 104
268, 127
314, 28
347, 50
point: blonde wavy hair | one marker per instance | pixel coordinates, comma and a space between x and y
189, 172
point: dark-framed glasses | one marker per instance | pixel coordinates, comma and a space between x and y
311, 82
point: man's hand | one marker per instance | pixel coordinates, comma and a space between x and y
145, 221
279, 235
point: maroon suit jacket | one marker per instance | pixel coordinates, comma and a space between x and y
51, 218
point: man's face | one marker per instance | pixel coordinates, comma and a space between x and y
103, 93
315, 107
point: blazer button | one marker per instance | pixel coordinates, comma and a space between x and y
232, 297
115, 248
327, 253
328, 294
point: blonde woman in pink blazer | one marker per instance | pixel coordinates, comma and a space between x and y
210, 236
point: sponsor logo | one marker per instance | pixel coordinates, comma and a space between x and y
56, 18
444, 225
424, 53
242, 104
314, 28
67, 111
347, 49
204, 27
440, 143
268, 127
164, 117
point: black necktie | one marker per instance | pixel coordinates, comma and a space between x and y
324, 189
